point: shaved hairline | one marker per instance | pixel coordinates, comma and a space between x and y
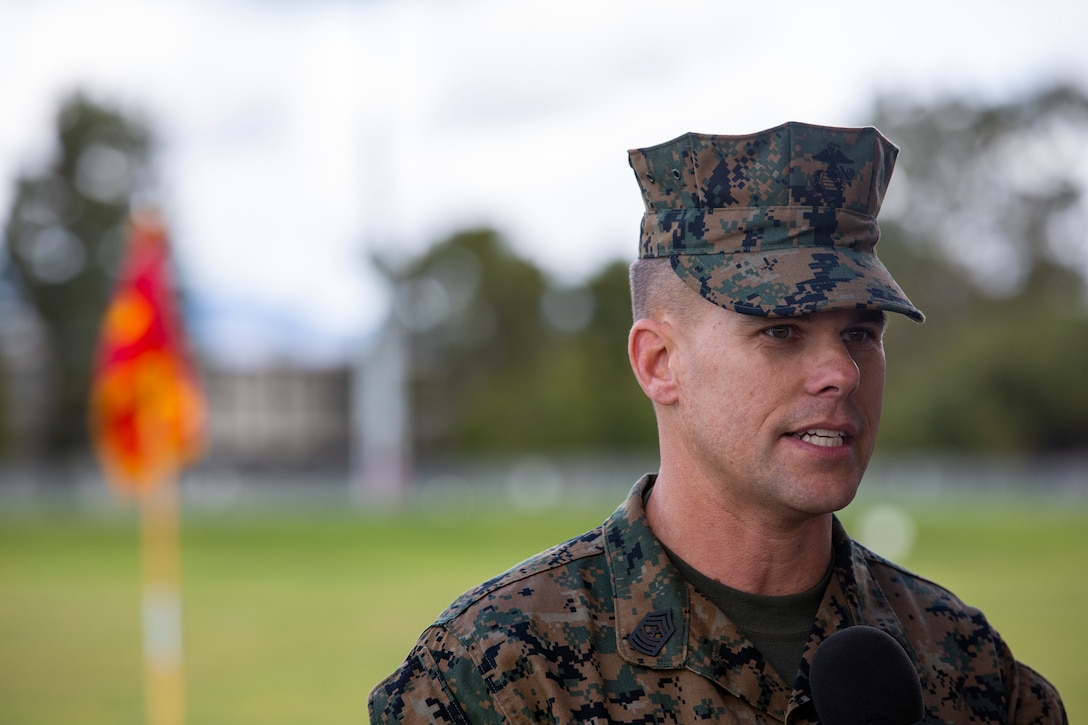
657, 290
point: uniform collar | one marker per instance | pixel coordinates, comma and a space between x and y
663, 623
646, 584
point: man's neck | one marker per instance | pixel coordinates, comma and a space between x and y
750, 550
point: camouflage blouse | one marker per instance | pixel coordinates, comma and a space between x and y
604, 629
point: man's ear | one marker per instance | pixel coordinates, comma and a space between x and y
650, 346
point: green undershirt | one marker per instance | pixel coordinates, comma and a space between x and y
778, 626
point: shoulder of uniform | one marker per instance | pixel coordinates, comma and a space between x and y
547, 570
887, 570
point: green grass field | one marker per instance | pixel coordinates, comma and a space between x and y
293, 617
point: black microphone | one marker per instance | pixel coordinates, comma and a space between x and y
862, 675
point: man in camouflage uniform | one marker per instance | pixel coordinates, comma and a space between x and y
707, 593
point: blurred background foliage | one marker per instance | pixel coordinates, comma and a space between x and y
505, 360
985, 227
988, 233
64, 237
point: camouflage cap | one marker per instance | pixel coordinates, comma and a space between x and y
777, 223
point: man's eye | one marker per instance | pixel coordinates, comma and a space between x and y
778, 332
858, 335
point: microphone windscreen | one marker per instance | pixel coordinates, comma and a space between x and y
862, 675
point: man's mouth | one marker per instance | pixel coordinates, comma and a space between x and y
821, 437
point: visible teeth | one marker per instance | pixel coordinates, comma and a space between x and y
822, 437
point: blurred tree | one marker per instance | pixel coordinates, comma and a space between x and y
64, 238
621, 415
577, 393
504, 361
996, 190
469, 309
985, 229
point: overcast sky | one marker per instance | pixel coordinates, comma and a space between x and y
300, 136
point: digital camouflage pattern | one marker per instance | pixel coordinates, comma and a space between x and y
604, 629
777, 223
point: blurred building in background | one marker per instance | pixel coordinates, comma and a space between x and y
278, 417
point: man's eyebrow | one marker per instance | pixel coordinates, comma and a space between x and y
762, 320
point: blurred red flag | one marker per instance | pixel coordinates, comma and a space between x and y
146, 408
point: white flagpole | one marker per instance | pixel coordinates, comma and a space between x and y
162, 637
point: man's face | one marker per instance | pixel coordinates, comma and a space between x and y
782, 413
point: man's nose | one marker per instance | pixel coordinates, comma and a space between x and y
833, 369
